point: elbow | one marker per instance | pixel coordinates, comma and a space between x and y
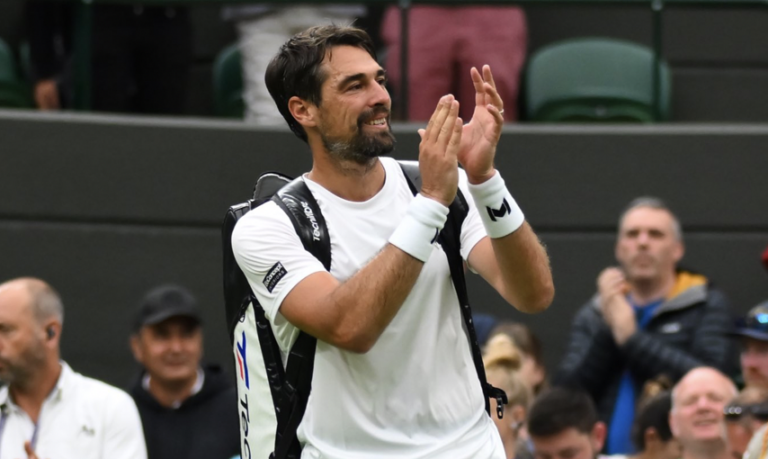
354, 341
538, 300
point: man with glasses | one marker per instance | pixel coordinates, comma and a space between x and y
745, 415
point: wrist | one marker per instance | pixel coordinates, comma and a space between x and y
477, 179
497, 208
418, 231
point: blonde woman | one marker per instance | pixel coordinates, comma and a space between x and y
502, 362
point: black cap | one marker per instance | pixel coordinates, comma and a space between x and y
755, 324
164, 302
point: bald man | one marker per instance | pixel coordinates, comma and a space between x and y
47, 411
697, 420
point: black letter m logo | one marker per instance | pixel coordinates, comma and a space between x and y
500, 212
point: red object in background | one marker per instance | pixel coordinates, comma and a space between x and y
765, 258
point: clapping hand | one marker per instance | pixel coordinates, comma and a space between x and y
481, 135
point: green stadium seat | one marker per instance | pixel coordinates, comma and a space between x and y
14, 93
595, 79
228, 83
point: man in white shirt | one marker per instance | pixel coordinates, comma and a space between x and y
48, 411
393, 374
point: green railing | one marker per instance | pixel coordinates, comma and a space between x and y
83, 29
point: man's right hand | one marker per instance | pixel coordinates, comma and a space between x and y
617, 312
30, 452
438, 151
47, 95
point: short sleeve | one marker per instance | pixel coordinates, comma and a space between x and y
123, 434
271, 255
472, 230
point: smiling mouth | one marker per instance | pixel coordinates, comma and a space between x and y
377, 122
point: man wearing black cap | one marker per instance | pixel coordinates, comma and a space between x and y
188, 411
754, 348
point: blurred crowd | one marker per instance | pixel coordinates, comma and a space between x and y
141, 55
651, 370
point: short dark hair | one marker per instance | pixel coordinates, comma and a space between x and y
653, 413
295, 70
653, 203
559, 409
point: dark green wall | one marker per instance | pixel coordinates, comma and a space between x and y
105, 208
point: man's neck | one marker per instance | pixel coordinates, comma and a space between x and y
643, 292
30, 395
716, 450
171, 394
347, 179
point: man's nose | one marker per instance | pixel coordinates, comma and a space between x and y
380, 96
177, 343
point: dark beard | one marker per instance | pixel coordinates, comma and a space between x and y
361, 148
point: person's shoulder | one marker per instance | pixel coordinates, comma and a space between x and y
98, 393
266, 217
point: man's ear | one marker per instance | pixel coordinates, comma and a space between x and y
599, 433
517, 414
136, 348
303, 111
673, 425
650, 436
679, 251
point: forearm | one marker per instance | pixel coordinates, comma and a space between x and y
353, 314
365, 304
526, 278
514, 261
647, 355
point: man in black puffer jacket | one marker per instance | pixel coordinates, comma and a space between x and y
188, 411
648, 319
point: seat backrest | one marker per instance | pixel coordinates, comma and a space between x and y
7, 64
228, 83
593, 78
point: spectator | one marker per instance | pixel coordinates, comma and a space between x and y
744, 416
563, 424
445, 42
262, 30
502, 365
697, 419
532, 369
753, 330
188, 411
651, 433
141, 54
649, 318
48, 410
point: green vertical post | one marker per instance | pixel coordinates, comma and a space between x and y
82, 54
657, 8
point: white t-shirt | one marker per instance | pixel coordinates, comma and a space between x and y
415, 394
82, 418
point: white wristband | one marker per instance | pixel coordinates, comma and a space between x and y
497, 208
418, 231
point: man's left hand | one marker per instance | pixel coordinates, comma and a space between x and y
481, 135
30, 452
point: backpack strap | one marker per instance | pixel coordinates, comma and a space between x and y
305, 215
450, 239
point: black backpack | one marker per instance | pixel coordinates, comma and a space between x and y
290, 385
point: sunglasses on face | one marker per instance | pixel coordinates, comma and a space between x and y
758, 411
